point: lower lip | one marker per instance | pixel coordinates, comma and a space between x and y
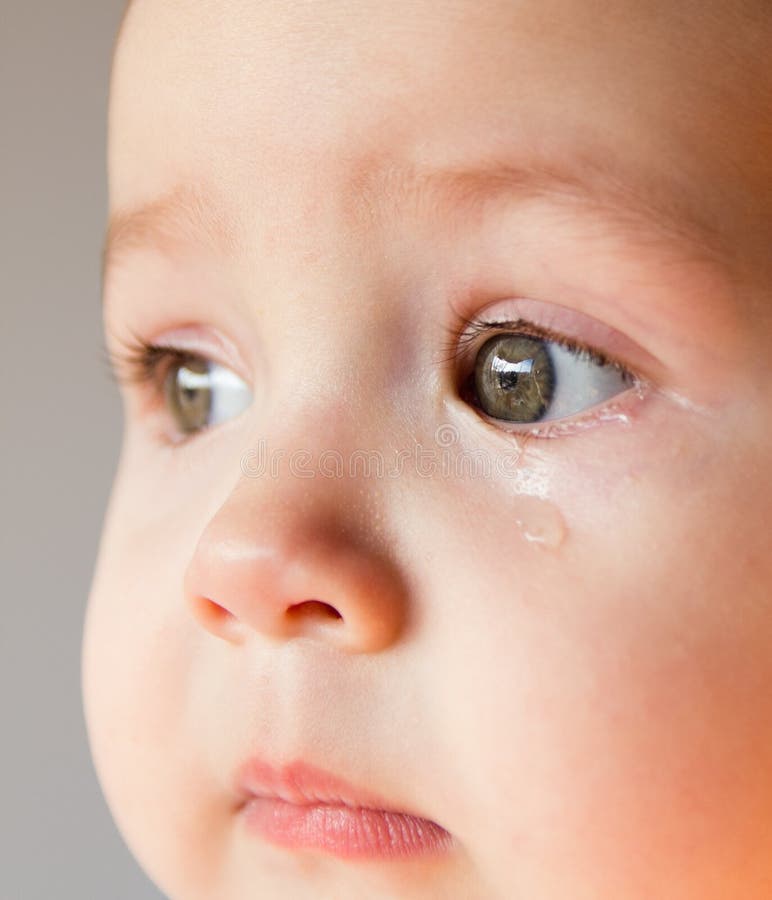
344, 831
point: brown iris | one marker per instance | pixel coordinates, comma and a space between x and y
189, 394
514, 378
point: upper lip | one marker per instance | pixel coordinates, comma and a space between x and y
302, 783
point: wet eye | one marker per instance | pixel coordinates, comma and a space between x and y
200, 393
528, 379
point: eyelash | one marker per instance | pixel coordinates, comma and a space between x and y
473, 330
144, 362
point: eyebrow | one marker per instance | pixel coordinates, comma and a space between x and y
647, 210
187, 213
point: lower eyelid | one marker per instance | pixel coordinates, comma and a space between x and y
621, 409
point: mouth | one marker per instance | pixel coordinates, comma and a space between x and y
301, 807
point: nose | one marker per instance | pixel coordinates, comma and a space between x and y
289, 561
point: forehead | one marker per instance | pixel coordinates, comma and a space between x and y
228, 89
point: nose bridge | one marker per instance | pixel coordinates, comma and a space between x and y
332, 311
318, 475
329, 371
326, 405
292, 497
312, 459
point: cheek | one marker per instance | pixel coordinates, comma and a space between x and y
609, 698
605, 700
617, 742
139, 644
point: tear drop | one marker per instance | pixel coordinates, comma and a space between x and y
540, 522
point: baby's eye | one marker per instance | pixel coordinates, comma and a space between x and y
526, 379
193, 391
199, 394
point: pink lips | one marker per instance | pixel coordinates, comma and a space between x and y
299, 806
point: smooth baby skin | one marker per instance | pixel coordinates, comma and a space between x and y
588, 716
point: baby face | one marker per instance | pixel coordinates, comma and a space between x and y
437, 562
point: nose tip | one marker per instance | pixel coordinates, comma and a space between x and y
313, 587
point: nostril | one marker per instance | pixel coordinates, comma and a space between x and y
313, 608
214, 617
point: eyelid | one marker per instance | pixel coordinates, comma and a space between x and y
552, 322
198, 341
128, 355
478, 331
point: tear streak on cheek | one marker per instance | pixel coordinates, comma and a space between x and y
539, 520
527, 489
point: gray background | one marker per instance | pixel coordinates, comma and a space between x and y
59, 439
